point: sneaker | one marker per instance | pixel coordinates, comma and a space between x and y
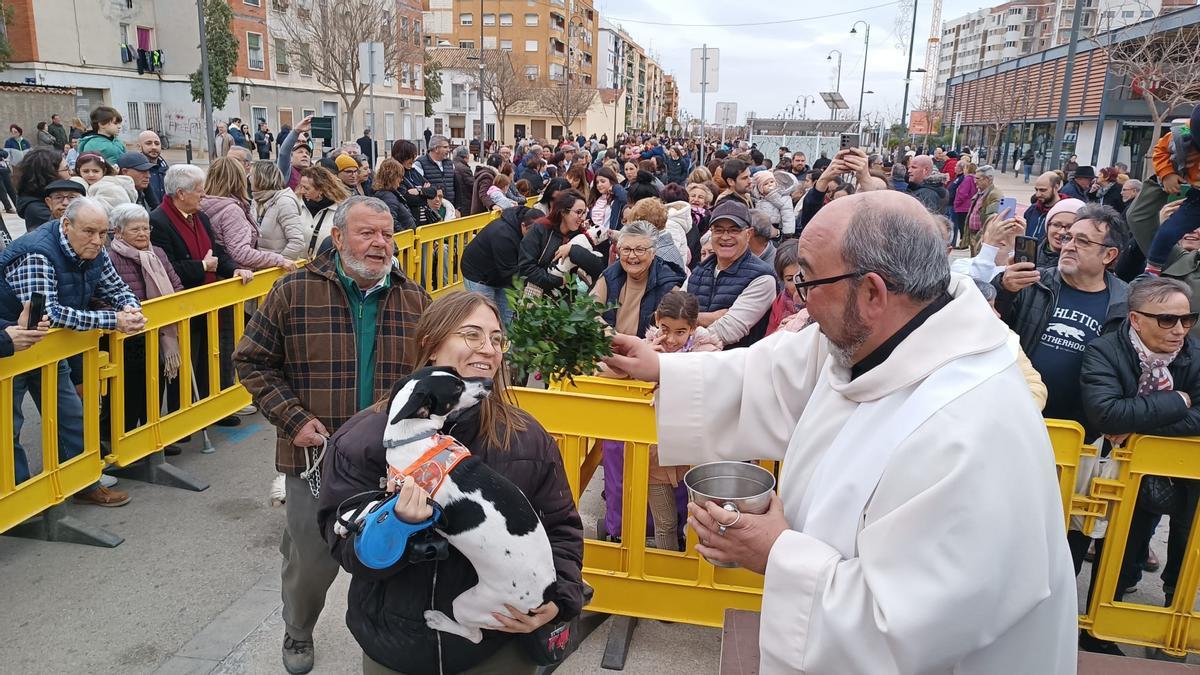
172, 450
248, 410
102, 496
278, 492
107, 480
297, 655
231, 421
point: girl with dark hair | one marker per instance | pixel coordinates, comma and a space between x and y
643, 187
553, 187
39, 168
387, 607
552, 240
608, 203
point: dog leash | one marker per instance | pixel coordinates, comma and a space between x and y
312, 466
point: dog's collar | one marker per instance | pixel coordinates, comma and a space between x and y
388, 443
431, 469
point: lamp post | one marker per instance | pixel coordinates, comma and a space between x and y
837, 86
908, 70
862, 88
804, 111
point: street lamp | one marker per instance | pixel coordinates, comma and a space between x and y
837, 87
908, 70
866, 49
806, 98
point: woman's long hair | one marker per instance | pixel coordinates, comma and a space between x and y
562, 203
499, 416
226, 178
612, 181
326, 183
38, 168
389, 176
553, 187
577, 177
266, 176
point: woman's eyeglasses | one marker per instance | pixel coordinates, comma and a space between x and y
475, 339
1168, 321
639, 251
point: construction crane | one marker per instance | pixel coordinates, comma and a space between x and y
929, 79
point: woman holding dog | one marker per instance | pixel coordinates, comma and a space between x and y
386, 607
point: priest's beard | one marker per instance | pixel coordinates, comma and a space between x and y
853, 335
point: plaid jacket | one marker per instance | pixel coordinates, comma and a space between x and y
298, 359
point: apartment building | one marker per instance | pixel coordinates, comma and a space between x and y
628, 66
137, 55
670, 97
993, 35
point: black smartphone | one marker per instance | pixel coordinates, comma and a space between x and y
322, 127
849, 141
1025, 249
37, 307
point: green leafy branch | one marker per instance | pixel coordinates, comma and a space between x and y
560, 335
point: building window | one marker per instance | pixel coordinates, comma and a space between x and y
531, 72
124, 33
281, 58
404, 29
466, 19
134, 119
305, 60
154, 119
531, 45
506, 45
253, 3
506, 19
418, 77
405, 75
145, 38
254, 51
466, 44
307, 112
531, 19
285, 118
1127, 14
557, 72
258, 114
489, 42
489, 19
416, 32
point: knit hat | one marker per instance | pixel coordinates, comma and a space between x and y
345, 162
1195, 127
1064, 206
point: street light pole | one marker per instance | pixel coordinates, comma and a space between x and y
482, 135
1060, 125
862, 88
210, 128
837, 86
908, 69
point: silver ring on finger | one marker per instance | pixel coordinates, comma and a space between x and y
721, 529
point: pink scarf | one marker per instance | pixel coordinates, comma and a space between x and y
157, 284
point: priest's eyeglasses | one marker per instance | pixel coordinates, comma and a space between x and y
803, 286
1168, 321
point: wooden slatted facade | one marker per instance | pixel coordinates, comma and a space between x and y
1041, 82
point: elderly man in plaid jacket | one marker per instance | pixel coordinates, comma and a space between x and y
329, 340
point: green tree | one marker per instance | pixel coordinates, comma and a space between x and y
5, 47
433, 84
222, 53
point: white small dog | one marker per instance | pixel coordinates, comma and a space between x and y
565, 266
487, 518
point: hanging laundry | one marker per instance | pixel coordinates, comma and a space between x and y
127, 54
156, 60
143, 64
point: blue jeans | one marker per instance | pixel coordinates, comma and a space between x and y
496, 295
1028, 171
70, 416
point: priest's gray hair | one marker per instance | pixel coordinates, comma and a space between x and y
186, 177
342, 215
1155, 289
909, 253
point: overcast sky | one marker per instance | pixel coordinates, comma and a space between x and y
765, 68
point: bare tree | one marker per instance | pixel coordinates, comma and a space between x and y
324, 39
566, 104
502, 86
1004, 105
1159, 68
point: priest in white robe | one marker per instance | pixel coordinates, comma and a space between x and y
920, 527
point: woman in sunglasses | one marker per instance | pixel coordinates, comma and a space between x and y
1145, 379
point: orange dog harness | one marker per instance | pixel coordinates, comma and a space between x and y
431, 469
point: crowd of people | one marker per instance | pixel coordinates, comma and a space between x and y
690, 257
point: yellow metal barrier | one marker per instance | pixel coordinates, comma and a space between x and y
56, 481
439, 251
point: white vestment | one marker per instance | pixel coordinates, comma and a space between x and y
960, 561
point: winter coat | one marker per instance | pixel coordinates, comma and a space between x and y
965, 193
112, 190
189, 270
234, 228
385, 608
677, 169
537, 256
45, 139
133, 276
1142, 216
440, 175
1073, 191
485, 177
491, 257
679, 224
931, 193
402, 217
298, 358
1029, 311
282, 228
1109, 385
105, 146
464, 180
663, 277
34, 211
779, 208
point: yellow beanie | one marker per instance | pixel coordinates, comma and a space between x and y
345, 162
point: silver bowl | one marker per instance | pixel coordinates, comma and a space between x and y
737, 487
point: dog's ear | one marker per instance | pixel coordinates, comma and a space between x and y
418, 405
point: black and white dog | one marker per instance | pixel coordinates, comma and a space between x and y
487, 518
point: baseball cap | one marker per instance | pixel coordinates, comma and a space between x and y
134, 160
732, 210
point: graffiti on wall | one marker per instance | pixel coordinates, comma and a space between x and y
181, 127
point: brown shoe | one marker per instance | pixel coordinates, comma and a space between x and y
102, 496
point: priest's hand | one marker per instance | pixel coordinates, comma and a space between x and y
634, 358
747, 542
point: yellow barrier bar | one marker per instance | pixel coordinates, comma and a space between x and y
439, 249
56, 481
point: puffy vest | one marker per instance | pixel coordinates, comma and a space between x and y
664, 276
440, 176
75, 283
716, 292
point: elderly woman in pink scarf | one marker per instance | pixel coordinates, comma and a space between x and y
145, 269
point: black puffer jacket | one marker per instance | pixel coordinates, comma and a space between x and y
34, 211
1109, 384
537, 256
1028, 311
386, 607
402, 217
491, 257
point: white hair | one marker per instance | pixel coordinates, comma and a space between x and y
123, 214
637, 228
81, 203
186, 177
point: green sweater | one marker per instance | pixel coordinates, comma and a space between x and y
364, 310
105, 146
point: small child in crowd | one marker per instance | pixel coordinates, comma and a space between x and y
1176, 160
100, 178
787, 266
498, 193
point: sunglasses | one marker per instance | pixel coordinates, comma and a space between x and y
1168, 321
